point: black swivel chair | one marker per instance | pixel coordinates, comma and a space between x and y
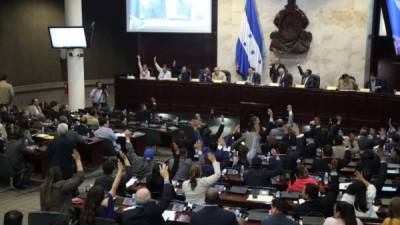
48, 218
228, 75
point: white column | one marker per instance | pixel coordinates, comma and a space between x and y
75, 63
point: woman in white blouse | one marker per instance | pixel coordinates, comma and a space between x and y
196, 187
361, 194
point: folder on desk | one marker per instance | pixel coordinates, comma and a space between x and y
238, 189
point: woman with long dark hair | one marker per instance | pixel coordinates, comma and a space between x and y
344, 214
56, 193
98, 205
394, 213
196, 187
361, 194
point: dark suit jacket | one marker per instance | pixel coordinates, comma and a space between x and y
310, 82
278, 219
287, 80
151, 213
256, 78
59, 154
213, 215
273, 72
378, 82
322, 165
262, 177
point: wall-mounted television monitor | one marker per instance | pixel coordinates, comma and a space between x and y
169, 16
67, 37
394, 18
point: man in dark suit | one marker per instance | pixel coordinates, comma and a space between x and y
306, 77
147, 211
279, 209
322, 165
258, 176
375, 85
212, 214
251, 77
315, 205
285, 79
273, 69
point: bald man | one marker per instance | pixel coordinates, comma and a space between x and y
147, 211
212, 214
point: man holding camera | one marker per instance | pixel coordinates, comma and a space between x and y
99, 95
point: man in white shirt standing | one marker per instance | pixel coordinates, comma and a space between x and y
163, 73
99, 95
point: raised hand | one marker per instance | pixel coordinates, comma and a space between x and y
75, 155
211, 157
270, 113
164, 171
138, 56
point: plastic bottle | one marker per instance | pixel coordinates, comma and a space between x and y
242, 170
326, 178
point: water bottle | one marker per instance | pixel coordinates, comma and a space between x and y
278, 194
242, 170
42, 130
326, 178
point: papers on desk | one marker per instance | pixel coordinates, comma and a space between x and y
195, 80
241, 82
299, 86
273, 85
261, 198
44, 136
364, 90
131, 182
344, 186
169, 215
331, 88
172, 128
393, 171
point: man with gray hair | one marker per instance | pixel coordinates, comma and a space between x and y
60, 150
148, 211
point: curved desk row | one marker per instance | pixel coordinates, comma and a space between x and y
356, 108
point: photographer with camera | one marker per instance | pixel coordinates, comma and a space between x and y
99, 96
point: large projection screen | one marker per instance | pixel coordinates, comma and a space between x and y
169, 16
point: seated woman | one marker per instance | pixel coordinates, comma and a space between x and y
361, 194
394, 213
347, 83
302, 178
97, 205
56, 193
196, 187
343, 215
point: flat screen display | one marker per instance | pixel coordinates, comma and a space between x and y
169, 16
67, 37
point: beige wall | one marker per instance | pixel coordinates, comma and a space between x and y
339, 29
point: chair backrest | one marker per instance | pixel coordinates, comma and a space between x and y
103, 221
317, 80
108, 148
153, 137
6, 170
228, 75
48, 218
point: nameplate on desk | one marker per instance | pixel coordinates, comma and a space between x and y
273, 84
217, 81
331, 88
364, 90
300, 86
130, 77
397, 93
195, 80
261, 198
173, 79
149, 78
241, 82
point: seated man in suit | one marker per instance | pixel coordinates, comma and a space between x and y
205, 76
322, 165
148, 211
34, 110
279, 210
306, 77
185, 74
285, 79
212, 214
273, 69
105, 132
251, 77
375, 85
258, 176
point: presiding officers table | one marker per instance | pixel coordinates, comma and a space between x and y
356, 108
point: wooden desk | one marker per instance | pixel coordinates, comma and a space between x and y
179, 97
